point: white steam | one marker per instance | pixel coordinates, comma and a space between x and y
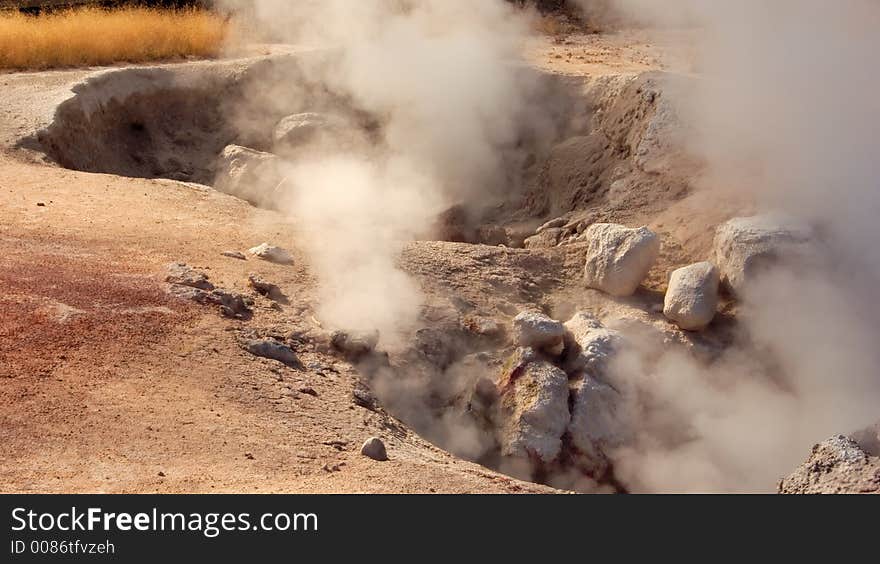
440, 76
786, 111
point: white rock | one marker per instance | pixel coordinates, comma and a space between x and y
374, 448
692, 296
744, 246
536, 330
299, 129
250, 175
591, 345
534, 411
619, 258
271, 253
594, 426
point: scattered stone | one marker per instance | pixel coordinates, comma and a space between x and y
271, 253
41, 204
836, 466
536, 330
354, 345
232, 304
746, 246
251, 175
619, 258
552, 224
268, 348
264, 287
534, 411
692, 296
189, 284
180, 273
234, 254
374, 448
308, 391
544, 239
363, 396
191, 294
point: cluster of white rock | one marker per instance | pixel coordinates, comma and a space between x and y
554, 385
619, 258
557, 403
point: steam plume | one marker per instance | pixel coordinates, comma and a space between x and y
785, 111
439, 74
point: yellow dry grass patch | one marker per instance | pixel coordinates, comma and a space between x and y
94, 36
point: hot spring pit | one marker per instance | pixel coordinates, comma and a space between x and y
603, 153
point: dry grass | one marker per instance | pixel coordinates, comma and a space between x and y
93, 36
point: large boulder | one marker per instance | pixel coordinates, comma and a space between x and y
618, 257
536, 330
746, 246
692, 296
838, 465
533, 412
250, 175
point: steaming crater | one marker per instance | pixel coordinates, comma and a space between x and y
171, 121
601, 158
174, 121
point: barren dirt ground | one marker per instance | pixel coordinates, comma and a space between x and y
625, 52
110, 385
107, 384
